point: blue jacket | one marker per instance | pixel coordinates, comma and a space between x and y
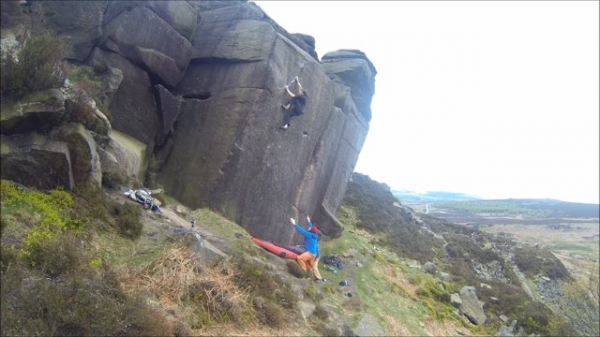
310, 240
310, 224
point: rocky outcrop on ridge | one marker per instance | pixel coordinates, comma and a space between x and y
196, 88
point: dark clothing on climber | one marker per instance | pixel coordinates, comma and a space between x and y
297, 104
295, 107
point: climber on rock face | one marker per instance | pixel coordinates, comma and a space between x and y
295, 106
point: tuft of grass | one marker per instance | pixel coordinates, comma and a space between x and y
312, 292
321, 313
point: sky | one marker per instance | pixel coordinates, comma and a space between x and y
495, 99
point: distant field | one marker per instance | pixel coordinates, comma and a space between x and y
570, 230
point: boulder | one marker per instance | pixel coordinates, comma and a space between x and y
180, 15
111, 79
471, 306
80, 108
455, 300
368, 326
168, 110
505, 332
353, 68
40, 110
429, 267
123, 156
33, 159
141, 36
442, 276
133, 107
85, 162
112, 173
206, 253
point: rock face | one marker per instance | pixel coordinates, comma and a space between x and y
199, 85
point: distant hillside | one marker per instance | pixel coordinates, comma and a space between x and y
462, 257
538, 208
430, 196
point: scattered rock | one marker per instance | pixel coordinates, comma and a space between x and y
182, 210
471, 306
429, 267
442, 276
455, 300
505, 332
368, 326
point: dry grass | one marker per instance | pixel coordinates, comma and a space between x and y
445, 328
395, 327
395, 276
176, 270
181, 283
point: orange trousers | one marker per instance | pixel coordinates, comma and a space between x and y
306, 261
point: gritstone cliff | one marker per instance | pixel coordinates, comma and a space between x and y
194, 91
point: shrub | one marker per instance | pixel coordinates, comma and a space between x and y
538, 261
91, 202
265, 284
128, 220
35, 67
56, 256
64, 295
51, 213
273, 315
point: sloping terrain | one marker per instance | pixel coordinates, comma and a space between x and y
165, 272
212, 280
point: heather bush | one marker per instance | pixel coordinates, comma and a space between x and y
36, 66
128, 220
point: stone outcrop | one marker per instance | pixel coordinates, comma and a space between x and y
198, 87
33, 159
41, 110
471, 307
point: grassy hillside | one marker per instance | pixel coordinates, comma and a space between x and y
457, 249
95, 263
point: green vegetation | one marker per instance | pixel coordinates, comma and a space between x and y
530, 208
85, 78
496, 207
374, 205
80, 264
466, 247
534, 261
52, 283
582, 297
100, 271
36, 66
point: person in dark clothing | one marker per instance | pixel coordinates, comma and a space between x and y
295, 106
